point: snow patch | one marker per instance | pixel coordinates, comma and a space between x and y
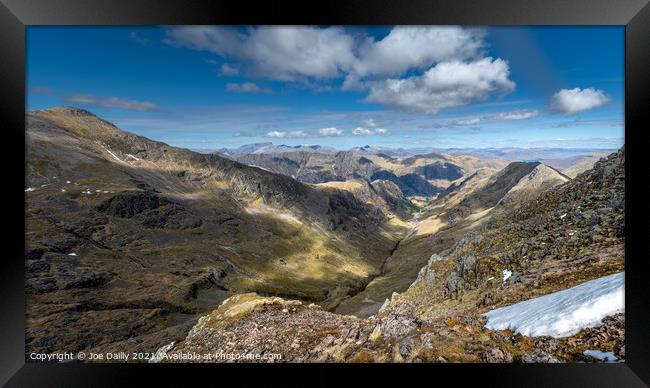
563, 313
506, 274
601, 356
115, 156
562, 216
27, 190
132, 157
72, 254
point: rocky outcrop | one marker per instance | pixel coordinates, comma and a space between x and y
150, 209
251, 328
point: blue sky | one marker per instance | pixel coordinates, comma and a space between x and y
213, 87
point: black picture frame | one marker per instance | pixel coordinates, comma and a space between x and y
15, 15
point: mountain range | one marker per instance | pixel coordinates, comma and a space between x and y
362, 254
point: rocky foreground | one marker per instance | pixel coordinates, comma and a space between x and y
252, 326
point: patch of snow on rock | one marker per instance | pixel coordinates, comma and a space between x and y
506, 274
27, 190
601, 356
563, 313
72, 254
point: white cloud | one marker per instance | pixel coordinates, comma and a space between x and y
291, 52
447, 84
228, 70
451, 57
246, 87
286, 134
282, 53
407, 48
517, 115
330, 132
572, 101
109, 102
360, 131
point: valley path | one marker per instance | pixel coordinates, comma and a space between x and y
399, 270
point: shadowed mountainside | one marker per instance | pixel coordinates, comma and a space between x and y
133, 237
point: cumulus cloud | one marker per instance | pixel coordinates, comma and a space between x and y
288, 52
446, 65
286, 134
245, 87
572, 101
360, 131
330, 131
448, 84
109, 102
407, 48
282, 53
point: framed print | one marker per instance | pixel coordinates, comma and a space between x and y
377, 188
